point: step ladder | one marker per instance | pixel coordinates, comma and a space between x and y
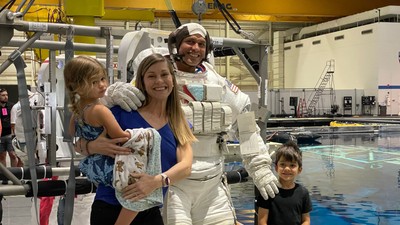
320, 87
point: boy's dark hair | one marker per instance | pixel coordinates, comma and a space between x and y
290, 152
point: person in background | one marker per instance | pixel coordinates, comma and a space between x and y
6, 135
292, 205
190, 47
162, 111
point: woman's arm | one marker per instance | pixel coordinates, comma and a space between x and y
146, 184
102, 146
183, 168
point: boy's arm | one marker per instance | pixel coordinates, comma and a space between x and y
262, 216
305, 219
108, 121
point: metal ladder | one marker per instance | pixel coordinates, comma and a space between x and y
323, 81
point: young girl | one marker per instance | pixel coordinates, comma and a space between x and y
86, 81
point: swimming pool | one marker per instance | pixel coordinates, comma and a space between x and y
353, 180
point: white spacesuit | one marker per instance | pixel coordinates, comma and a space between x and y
212, 105
35, 99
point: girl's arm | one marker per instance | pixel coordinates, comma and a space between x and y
147, 184
305, 219
125, 217
72, 126
262, 216
105, 118
78, 146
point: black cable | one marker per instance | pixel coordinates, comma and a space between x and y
175, 18
226, 14
173, 14
223, 51
8, 5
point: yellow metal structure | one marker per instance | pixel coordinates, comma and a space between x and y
84, 12
254, 10
90, 8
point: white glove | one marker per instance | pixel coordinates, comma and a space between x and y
259, 168
123, 94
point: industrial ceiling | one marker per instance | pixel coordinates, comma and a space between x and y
312, 11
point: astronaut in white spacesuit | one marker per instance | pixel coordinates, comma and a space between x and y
17, 128
203, 198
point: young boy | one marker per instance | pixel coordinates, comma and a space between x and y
292, 205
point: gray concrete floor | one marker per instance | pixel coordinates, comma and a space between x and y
16, 210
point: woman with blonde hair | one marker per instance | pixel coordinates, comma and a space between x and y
161, 111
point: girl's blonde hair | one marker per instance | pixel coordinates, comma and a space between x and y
176, 117
78, 73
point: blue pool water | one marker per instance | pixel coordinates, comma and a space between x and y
353, 180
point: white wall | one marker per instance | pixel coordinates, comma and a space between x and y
389, 66
362, 61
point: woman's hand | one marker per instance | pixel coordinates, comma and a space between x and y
143, 187
106, 146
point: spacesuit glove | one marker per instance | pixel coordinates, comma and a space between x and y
125, 95
259, 168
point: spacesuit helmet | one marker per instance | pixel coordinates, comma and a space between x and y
176, 37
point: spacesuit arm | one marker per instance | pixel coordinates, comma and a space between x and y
254, 151
123, 94
256, 158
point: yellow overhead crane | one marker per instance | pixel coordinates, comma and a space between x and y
84, 12
254, 10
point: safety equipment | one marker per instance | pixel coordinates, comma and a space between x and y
123, 94
176, 37
259, 168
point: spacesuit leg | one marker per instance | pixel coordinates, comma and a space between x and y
177, 206
205, 195
214, 207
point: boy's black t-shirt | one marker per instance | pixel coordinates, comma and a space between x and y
288, 206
